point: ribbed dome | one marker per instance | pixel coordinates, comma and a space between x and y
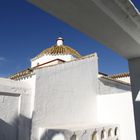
59, 49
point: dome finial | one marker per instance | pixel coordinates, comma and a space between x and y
59, 41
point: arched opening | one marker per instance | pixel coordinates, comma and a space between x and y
116, 132
110, 132
58, 137
95, 135
103, 134
73, 137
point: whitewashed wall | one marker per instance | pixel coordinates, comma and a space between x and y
8, 116
66, 95
11, 94
125, 79
31, 81
26, 108
116, 107
47, 58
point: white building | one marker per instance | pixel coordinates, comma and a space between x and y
62, 96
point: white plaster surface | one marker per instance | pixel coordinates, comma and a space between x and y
117, 108
84, 134
31, 82
11, 93
124, 79
26, 108
66, 94
47, 58
8, 117
13, 87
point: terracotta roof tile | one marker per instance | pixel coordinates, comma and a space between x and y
120, 75
58, 50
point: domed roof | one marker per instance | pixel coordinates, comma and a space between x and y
59, 49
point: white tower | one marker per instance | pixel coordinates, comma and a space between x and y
58, 53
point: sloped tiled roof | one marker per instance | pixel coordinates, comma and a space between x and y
30, 71
120, 75
115, 80
22, 73
58, 50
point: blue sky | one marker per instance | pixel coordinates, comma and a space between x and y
26, 30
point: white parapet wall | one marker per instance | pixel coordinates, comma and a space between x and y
115, 105
66, 95
93, 133
12, 113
